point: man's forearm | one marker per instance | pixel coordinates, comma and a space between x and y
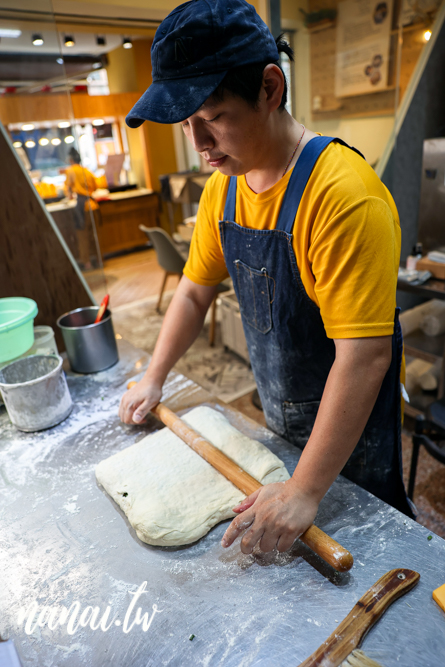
350, 393
182, 323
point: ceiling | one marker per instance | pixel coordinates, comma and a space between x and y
24, 65
85, 42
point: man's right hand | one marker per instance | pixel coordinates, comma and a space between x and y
137, 402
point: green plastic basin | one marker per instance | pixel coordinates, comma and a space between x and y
16, 326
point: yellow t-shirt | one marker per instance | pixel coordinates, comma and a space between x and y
82, 182
346, 239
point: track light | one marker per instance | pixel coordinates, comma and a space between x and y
69, 40
27, 127
37, 40
69, 139
17, 144
127, 43
44, 141
427, 35
101, 40
56, 141
98, 121
30, 144
63, 124
10, 34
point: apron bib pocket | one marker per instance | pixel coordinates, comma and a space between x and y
254, 296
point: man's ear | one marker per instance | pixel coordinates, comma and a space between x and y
273, 86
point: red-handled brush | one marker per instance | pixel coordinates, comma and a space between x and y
102, 309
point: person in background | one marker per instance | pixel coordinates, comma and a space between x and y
81, 181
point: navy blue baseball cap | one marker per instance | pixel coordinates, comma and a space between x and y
192, 51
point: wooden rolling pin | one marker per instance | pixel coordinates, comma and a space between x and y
330, 550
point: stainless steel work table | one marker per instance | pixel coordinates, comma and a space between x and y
63, 540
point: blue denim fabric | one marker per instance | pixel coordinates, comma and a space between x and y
290, 353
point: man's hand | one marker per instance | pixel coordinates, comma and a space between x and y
274, 516
182, 323
277, 514
137, 402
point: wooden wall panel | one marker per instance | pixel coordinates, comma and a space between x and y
322, 67
33, 263
40, 107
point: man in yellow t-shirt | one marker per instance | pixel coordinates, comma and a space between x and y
311, 239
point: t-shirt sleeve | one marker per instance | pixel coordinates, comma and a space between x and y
355, 259
205, 264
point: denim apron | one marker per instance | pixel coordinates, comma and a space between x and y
289, 350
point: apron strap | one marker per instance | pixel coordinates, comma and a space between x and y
230, 206
299, 178
296, 186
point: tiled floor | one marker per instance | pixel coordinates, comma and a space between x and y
136, 277
132, 277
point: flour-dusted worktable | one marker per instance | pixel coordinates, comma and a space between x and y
63, 541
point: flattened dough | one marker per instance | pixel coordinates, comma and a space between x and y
170, 495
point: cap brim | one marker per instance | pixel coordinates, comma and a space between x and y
173, 100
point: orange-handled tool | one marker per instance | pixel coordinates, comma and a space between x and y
330, 550
102, 309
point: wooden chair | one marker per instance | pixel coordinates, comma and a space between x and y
173, 263
168, 255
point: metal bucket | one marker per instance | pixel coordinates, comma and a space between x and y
35, 392
90, 347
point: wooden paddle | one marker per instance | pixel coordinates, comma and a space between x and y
330, 550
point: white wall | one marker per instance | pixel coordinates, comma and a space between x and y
369, 135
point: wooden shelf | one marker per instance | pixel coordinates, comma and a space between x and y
411, 411
419, 404
429, 348
433, 289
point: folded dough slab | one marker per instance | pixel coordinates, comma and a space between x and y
170, 495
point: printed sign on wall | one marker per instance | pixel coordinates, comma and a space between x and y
363, 40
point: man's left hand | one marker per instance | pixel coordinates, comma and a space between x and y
274, 516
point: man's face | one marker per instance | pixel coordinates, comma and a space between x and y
228, 134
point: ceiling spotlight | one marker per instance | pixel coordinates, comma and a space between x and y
69, 139
44, 141
63, 123
56, 141
100, 40
127, 43
59, 61
8, 33
30, 144
98, 121
427, 35
28, 127
17, 144
69, 40
37, 40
